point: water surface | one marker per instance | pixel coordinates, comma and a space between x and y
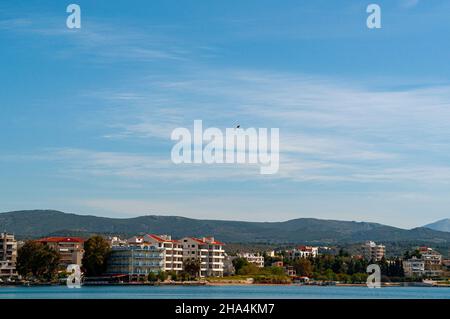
222, 292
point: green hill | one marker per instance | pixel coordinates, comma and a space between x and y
38, 223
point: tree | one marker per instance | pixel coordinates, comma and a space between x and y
173, 275
192, 267
37, 259
238, 263
329, 274
408, 255
343, 253
359, 278
152, 277
383, 265
249, 269
303, 267
96, 253
162, 276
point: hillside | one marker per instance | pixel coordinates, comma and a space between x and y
441, 225
37, 223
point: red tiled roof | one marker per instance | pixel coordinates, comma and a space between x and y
201, 241
158, 238
61, 240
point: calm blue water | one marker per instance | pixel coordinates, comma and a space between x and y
226, 292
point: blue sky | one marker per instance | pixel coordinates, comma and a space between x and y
86, 115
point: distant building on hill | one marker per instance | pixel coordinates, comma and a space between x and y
8, 256
71, 249
252, 258
303, 252
116, 241
373, 251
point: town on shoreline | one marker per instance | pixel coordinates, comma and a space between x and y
152, 259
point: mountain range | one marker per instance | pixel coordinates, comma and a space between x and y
38, 223
441, 225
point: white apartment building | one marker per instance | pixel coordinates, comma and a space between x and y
8, 256
209, 251
414, 267
256, 259
172, 249
303, 252
373, 251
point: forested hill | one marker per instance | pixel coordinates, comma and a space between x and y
37, 223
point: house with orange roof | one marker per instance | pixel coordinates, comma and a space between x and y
173, 250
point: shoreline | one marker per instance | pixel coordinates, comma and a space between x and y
230, 283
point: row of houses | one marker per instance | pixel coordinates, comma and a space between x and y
371, 251
135, 257
140, 255
294, 253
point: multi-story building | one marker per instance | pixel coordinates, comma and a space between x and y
303, 252
172, 249
209, 251
373, 251
71, 249
414, 267
8, 255
154, 253
432, 260
256, 259
136, 261
430, 256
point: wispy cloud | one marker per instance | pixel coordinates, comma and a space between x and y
363, 134
101, 41
409, 3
